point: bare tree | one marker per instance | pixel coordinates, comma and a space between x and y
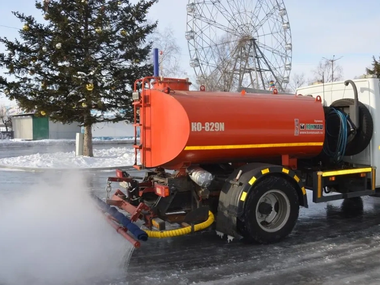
328, 70
296, 80
170, 53
5, 118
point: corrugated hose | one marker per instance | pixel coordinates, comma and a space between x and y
182, 231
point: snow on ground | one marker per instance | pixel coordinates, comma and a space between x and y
115, 156
99, 140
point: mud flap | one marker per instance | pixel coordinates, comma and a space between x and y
196, 216
226, 219
229, 199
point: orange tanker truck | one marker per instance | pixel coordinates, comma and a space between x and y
242, 163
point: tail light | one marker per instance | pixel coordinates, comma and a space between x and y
161, 190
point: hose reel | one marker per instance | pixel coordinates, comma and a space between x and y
349, 127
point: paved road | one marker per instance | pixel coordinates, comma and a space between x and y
330, 245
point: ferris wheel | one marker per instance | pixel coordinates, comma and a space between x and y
239, 43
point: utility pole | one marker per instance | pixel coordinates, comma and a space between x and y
332, 60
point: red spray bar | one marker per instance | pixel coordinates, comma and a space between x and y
122, 231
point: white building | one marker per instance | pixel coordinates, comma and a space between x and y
30, 127
114, 130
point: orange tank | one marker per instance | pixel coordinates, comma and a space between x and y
186, 127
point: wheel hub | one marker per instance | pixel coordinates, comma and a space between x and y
273, 210
265, 208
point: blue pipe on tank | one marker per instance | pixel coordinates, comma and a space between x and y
155, 62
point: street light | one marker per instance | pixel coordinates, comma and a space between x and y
332, 65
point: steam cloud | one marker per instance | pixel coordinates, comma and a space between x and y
53, 234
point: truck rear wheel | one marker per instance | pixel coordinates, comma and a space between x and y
271, 210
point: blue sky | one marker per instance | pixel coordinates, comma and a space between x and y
320, 28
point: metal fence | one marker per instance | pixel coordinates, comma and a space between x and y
6, 135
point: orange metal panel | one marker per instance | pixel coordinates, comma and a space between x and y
187, 127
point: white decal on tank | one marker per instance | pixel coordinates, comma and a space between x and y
311, 129
207, 126
296, 127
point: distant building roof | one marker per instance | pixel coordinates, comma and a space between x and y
24, 115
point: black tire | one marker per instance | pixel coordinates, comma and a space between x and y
365, 128
285, 211
352, 207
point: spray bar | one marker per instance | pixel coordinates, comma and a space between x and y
115, 216
122, 231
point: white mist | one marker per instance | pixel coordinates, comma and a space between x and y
53, 234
